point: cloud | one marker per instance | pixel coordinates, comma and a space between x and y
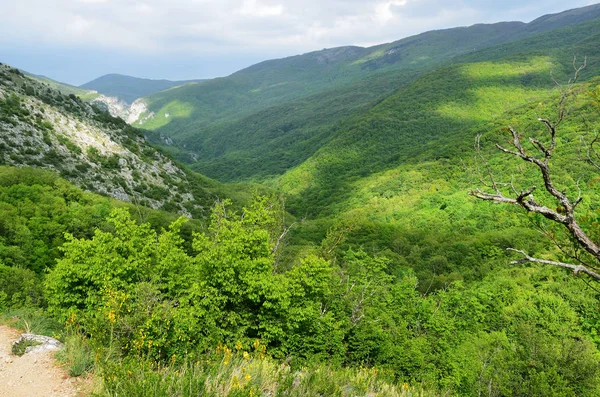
253, 8
248, 29
247, 25
383, 11
79, 25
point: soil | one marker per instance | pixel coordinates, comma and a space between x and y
33, 374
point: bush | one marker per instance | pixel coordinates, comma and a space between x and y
21, 287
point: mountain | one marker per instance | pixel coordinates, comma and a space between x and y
115, 106
553, 21
129, 88
86, 95
188, 110
41, 127
372, 271
435, 117
393, 178
268, 118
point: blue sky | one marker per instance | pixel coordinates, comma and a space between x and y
75, 41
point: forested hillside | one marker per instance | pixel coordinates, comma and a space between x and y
290, 107
147, 296
362, 265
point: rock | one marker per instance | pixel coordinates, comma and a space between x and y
46, 343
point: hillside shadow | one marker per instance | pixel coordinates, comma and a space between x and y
414, 125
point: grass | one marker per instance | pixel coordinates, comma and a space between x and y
174, 109
19, 348
76, 356
31, 321
242, 374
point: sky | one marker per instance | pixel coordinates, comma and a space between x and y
75, 41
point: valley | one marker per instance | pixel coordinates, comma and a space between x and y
307, 225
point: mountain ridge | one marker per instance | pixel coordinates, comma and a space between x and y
129, 88
194, 122
41, 127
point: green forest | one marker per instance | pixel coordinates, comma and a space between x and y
166, 299
399, 230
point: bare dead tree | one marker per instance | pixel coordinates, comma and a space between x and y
565, 212
286, 230
281, 240
592, 154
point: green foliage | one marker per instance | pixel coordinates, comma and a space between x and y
267, 119
144, 292
20, 287
19, 348
140, 293
76, 356
240, 373
133, 257
37, 208
395, 277
11, 108
70, 145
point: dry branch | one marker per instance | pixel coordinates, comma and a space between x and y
576, 268
566, 215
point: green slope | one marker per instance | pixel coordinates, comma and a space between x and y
66, 89
269, 142
190, 109
42, 127
428, 119
129, 88
236, 136
397, 176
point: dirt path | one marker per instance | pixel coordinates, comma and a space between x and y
33, 374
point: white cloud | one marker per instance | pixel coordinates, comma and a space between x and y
143, 9
383, 11
245, 26
254, 9
79, 25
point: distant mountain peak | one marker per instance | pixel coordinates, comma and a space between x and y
128, 88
